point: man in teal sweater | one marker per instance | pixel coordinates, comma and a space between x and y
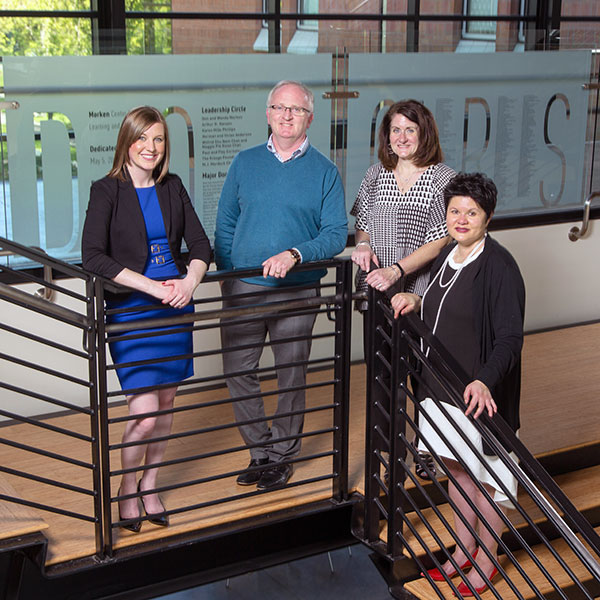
282, 203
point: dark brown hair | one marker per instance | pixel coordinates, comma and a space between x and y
136, 121
429, 152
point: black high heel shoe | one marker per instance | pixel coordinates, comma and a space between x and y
133, 526
161, 519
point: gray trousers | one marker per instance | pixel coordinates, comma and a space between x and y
262, 439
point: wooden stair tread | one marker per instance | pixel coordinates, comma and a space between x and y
422, 589
17, 519
581, 487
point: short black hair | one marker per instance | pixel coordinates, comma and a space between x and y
476, 186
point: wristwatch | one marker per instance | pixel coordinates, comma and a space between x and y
295, 255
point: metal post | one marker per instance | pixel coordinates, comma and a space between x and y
90, 348
103, 414
377, 415
109, 30
341, 415
274, 26
412, 27
398, 450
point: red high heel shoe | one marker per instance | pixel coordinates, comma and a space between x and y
464, 591
436, 575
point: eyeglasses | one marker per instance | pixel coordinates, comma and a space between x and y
408, 131
297, 111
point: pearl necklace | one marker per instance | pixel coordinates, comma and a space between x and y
477, 250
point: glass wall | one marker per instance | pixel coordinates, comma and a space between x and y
527, 119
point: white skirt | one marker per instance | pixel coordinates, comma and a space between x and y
467, 456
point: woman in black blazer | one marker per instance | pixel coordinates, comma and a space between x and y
475, 306
136, 220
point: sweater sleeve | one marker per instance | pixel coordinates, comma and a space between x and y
333, 222
506, 309
96, 232
228, 214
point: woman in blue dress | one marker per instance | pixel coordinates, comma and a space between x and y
136, 220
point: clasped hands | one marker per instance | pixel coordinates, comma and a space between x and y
381, 278
176, 292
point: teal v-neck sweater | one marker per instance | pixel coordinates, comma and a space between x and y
267, 206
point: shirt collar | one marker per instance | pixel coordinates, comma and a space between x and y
296, 154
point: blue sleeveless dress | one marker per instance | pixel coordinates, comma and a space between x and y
159, 266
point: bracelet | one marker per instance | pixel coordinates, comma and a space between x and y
402, 272
363, 242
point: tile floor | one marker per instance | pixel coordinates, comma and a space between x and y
354, 577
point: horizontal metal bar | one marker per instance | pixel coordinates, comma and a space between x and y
289, 485
37, 367
294, 16
211, 478
24, 276
58, 14
43, 398
46, 453
224, 313
58, 511
215, 453
41, 257
228, 400
222, 427
45, 480
43, 341
338, 95
216, 378
47, 426
39, 305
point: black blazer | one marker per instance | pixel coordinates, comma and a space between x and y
114, 232
498, 309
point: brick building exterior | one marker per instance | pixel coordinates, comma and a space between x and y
246, 36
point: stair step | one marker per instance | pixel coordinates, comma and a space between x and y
17, 519
582, 487
422, 589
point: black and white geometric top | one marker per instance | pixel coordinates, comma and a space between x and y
400, 223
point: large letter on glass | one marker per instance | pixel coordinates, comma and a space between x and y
555, 196
472, 161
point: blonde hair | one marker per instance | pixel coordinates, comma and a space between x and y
136, 121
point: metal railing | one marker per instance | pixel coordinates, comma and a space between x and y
47, 364
201, 466
546, 543
204, 441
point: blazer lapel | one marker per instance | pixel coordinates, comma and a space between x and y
130, 205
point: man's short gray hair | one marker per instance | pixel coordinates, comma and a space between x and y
310, 97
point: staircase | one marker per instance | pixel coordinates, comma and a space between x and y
550, 546
581, 485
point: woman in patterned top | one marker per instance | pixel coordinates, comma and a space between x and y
399, 209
